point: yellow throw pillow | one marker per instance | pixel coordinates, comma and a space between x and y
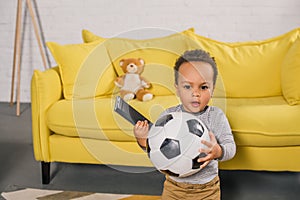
159, 54
83, 75
88, 36
249, 69
290, 74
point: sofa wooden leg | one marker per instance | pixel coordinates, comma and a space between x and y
45, 172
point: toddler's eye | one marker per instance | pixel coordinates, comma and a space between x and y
187, 87
204, 87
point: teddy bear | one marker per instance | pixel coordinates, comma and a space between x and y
132, 84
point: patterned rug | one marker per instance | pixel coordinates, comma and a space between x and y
41, 194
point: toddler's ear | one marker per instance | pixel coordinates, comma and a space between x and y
176, 88
211, 91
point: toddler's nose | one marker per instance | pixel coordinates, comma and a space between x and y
196, 93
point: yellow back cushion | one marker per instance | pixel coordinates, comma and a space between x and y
249, 69
159, 54
83, 77
88, 36
290, 74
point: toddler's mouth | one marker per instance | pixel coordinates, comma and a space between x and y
195, 103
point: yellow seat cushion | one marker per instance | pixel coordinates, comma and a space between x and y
265, 122
159, 54
99, 120
290, 74
249, 69
85, 70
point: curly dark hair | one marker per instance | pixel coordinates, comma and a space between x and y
196, 55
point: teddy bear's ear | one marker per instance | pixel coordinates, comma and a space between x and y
121, 62
142, 61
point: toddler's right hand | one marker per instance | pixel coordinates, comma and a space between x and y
140, 131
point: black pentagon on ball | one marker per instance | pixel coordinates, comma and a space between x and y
195, 127
196, 164
170, 148
148, 149
163, 120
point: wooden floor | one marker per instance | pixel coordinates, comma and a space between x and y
18, 168
43, 194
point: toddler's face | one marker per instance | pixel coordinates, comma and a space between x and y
195, 85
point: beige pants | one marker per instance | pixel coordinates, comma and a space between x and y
185, 191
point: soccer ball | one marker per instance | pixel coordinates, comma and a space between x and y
174, 141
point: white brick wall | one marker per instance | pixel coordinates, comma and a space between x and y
63, 20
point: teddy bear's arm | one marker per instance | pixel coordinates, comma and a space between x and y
119, 81
145, 82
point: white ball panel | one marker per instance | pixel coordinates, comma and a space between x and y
156, 140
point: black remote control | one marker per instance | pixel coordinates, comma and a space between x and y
128, 112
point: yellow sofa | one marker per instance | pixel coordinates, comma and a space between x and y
258, 88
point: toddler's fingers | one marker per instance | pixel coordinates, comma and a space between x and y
206, 143
206, 150
137, 123
204, 164
144, 123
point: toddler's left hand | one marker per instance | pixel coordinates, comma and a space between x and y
212, 151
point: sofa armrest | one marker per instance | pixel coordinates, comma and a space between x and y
46, 89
